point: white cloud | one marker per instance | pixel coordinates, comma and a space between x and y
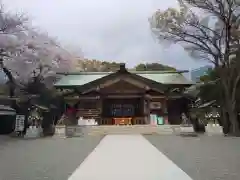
111, 30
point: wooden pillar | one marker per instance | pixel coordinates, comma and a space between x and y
98, 102
99, 107
146, 105
165, 110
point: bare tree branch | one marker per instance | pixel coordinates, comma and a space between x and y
209, 30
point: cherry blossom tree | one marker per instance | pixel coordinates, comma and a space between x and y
11, 27
40, 55
25, 51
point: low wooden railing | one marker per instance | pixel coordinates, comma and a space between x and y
122, 121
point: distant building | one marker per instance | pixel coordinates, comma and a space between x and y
197, 73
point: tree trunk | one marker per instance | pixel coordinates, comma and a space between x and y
229, 106
232, 114
224, 120
10, 77
234, 128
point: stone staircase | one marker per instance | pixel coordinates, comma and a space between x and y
135, 129
112, 129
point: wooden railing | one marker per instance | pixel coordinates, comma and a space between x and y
122, 121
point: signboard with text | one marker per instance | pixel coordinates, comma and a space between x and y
19, 125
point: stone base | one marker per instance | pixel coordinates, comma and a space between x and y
186, 129
60, 131
33, 132
188, 134
71, 131
212, 129
76, 131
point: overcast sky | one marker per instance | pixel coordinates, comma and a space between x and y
110, 30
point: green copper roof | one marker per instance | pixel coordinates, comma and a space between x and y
78, 80
164, 77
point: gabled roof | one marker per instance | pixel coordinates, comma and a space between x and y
166, 77
79, 79
207, 104
163, 77
7, 110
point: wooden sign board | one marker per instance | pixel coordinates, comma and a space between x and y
155, 105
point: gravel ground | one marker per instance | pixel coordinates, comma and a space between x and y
40, 159
204, 157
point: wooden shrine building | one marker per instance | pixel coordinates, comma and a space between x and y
126, 97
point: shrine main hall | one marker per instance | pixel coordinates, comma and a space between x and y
126, 97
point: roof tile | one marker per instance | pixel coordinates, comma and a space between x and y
164, 77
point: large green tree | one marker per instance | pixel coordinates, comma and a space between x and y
207, 30
153, 67
104, 66
210, 89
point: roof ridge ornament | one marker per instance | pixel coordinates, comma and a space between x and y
122, 68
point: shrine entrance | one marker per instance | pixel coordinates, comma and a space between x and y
122, 111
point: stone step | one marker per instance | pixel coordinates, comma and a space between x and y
104, 130
143, 133
130, 130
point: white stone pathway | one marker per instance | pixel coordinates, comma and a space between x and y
127, 157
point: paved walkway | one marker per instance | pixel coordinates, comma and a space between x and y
127, 157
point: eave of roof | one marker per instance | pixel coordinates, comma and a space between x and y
207, 104
133, 72
6, 108
162, 77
